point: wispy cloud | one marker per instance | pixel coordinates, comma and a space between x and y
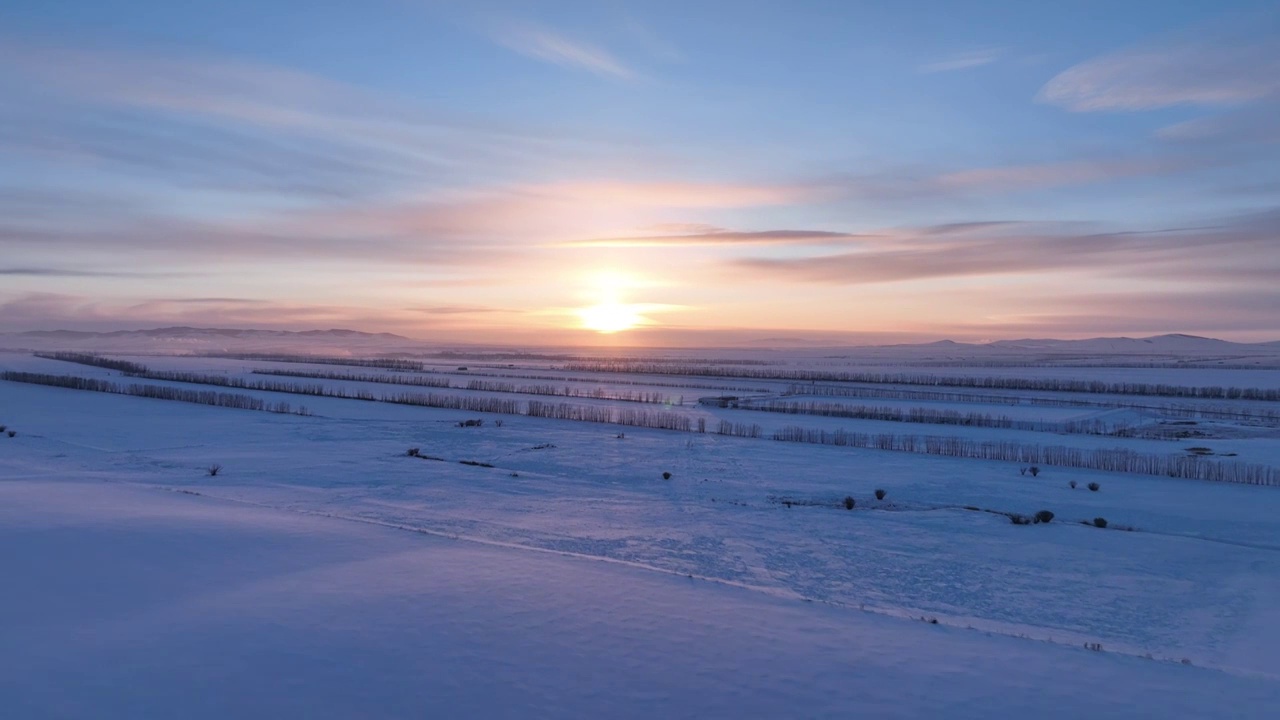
541, 43
963, 61
72, 273
1138, 313
678, 194
484, 226
1221, 65
721, 237
1258, 123
1047, 175
213, 122
459, 310
1213, 251
658, 47
69, 311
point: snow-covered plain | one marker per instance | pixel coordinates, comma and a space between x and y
325, 573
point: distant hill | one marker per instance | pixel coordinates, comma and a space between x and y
1172, 344
193, 339
194, 332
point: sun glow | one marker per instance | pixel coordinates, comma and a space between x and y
609, 314
610, 318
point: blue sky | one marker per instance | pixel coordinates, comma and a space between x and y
699, 172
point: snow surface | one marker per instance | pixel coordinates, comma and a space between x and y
128, 602
324, 573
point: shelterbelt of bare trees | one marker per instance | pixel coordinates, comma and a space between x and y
481, 385
1001, 383
1108, 459
1111, 460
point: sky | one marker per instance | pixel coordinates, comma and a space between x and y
643, 173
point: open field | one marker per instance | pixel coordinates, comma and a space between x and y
505, 542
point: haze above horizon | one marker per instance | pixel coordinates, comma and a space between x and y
653, 173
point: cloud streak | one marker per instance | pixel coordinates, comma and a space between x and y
543, 44
963, 61
71, 273
1207, 66
1240, 244
213, 122
720, 237
1048, 175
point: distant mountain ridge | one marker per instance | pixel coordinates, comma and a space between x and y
1170, 344
1173, 342
182, 331
184, 340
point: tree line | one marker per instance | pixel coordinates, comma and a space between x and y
482, 385
1207, 411
932, 416
633, 417
158, 392
1191, 467
384, 363
123, 366
1109, 460
1002, 383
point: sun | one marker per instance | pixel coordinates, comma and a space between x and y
605, 309
610, 317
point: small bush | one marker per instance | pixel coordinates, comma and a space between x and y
1099, 522
412, 452
1022, 471
879, 494
1034, 470
498, 423
666, 476
1072, 484
1017, 519
848, 502
1044, 516
12, 433
1095, 487
214, 469
3, 428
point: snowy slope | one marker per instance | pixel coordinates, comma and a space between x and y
133, 602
